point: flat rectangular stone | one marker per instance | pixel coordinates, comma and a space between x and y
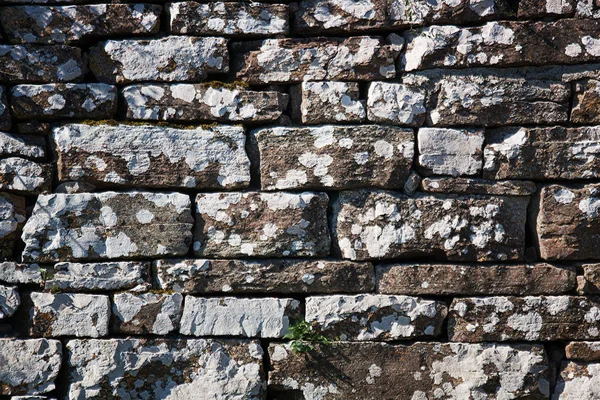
146, 313
289, 60
474, 280
43, 63
29, 146
455, 152
169, 59
67, 314
478, 186
153, 156
419, 371
108, 225
106, 276
262, 276
396, 103
259, 224
586, 102
5, 118
29, 366
28, 274
228, 19
532, 318
177, 368
55, 25
567, 222
230, 316
202, 102
383, 225
327, 102
24, 176
367, 317
578, 381
334, 157
64, 100
583, 351
12, 217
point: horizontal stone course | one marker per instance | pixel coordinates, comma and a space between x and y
478, 186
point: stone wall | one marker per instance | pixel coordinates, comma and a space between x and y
328, 199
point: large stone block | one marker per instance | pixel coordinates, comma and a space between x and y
153, 156
396, 104
108, 225
259, 224
327, 102
146, 313
334, 157
453, 152
106, 276
383, 225
12, 218
25, 176
39, 64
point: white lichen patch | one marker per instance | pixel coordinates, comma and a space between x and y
395, 103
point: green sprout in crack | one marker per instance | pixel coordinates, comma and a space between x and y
302, 335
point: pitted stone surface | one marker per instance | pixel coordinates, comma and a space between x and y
327, 102
395, 103
67, 314
12, 218
295, 60
152, 156
146, 313
176, 369
474, 280
14, 273
373, 371
106, 276
455, 152
369, 317
202, 102
29, 366
231, 316
228, 19
334, 157
5, 118
583, 351
383, 225
170, 59
25, 176
263, 276
9, 300
29, 146
39, 64
531, 318
578, 381
258, 224
108, 225
587, 101
70, 24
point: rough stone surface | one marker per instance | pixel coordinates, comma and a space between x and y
455, 152
531, 318
230, 316
583, 351
587, 101
368, 317
14, 273
372, 371
64, 100
107, 276
5, 118
25, 176
474, 280
152, 156
334, 157
263, 276
327, 102
395, 103
202, 102
590, 281
69, 24
578, 381
169, 59
383, 225
166, 368
478, 186
108, 225
12, 217
9, 300
261, 225
29, 366
228, 19
39, 64
29, 146
74, 187
66, 314
146, 313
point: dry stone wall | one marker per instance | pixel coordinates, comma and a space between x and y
311, 200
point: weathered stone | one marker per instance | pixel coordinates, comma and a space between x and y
528, 9
105, 276
202, 102
108, 225
146, 313
412, 183
261, 225
578, 381
591, 279
165, 369
230, 316
12, 217
372, 371
152, 156
64, 100
478, 186
334, 157
69, 24
5, 118
493, 99
587, 102
25, 176
296, 60
368, 317
567, 227
587, 9
30, 146
263, 276
395, 103
326, 102
453, 152
13, 273
474, 280
39, 64
67, 314
74, 187
583, 351
173, 58
531, 318
383, 225
9, 300
28, 366
228, 19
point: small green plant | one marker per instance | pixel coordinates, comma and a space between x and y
302, 335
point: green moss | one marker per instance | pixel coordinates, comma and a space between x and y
302, 335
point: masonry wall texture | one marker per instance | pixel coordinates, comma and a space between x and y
310, 200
